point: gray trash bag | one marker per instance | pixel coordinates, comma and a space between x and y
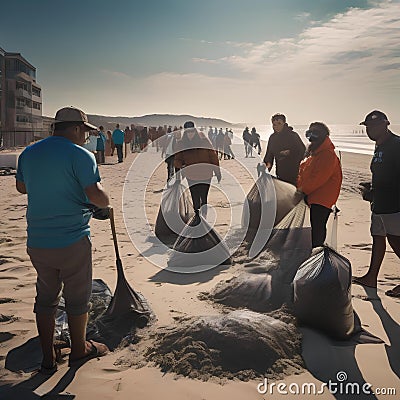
266, 205
322, 293
99, 301
198, 248
173, 214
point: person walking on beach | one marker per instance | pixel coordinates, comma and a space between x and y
384, 195
110, 146
118, 137
101, 146
220, 143
255, 140
169, 152
61, 178
228, 153
285, 148
320, 179
199, 161
248, 149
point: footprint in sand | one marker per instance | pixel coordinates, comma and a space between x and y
7, 318
4, 336
4, 300
360, 246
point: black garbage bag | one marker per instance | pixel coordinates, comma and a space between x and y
173, 214
198, 248
322, 293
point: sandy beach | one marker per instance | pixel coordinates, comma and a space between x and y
178, 301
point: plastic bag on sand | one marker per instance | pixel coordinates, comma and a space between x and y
264, 192
173, 213
99, 301
267, 203
322, 293
198, 248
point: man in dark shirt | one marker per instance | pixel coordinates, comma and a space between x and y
286, 148
384, 195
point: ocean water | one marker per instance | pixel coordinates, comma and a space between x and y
348, 138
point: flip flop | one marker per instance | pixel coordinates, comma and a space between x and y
93, 353
357, 281
48, 370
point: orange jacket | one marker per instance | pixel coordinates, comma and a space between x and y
320, 175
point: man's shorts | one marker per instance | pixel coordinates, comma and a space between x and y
385, 224
66, 271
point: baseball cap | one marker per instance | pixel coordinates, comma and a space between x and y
373, 117
72, 114
188, 124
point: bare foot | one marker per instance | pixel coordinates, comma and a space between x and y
364, 281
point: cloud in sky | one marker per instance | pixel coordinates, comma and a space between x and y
347, 63
333, 70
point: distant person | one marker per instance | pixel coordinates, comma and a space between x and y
101, 146
320, 179
199, 161
127, 138
169, 152
61, 178
109, 145
255, 140
118, 137
220, 143
384, 195
210, 134
285, 148
248, 149
228, 153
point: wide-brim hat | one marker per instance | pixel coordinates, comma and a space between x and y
73, 114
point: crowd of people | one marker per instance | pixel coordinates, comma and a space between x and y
58, 213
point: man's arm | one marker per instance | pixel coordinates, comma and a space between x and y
269, 156
97, 195
20, 186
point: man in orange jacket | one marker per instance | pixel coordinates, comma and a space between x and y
320, 178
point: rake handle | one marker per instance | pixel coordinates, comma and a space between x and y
114, 233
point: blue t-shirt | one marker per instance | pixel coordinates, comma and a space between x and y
118, 136
55, 172
101, 140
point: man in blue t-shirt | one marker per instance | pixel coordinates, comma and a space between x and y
118, 137
61, 179
384, 195
100, 146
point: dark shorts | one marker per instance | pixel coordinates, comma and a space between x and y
66, 271
385, 224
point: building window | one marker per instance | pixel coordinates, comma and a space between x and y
22, 85
35, 91
36, 106
23, 118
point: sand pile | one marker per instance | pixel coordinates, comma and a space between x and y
244, 291
242, 344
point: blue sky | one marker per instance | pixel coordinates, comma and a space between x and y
240, 60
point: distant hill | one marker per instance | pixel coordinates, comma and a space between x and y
158, 120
